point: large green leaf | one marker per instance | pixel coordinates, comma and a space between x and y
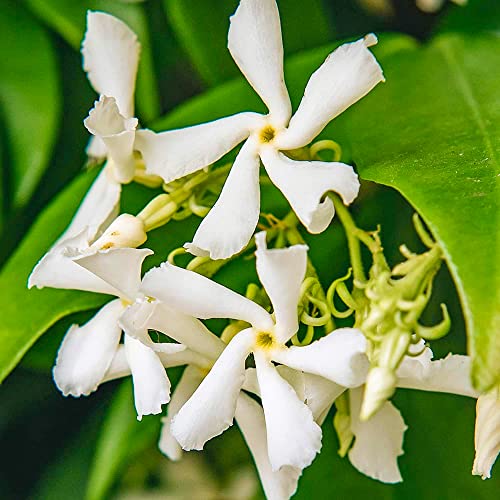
433, 133
26, 314
201, 27
29, 99
68, 19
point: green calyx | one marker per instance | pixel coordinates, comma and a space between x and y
387, 304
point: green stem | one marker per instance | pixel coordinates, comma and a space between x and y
353, 238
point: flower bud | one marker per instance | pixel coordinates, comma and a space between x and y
380, 386
126, 231
487, 433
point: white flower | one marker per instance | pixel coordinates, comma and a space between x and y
88, 353
379, 441
339, 356
110, 58
249, 415
348, 74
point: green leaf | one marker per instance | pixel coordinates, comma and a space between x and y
473, 17
433, 133
121, 437
30, 99
26, 314
68, 19
201, 28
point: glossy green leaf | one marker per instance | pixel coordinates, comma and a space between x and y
26, 314
201, 27
29, 99
68, 19
433, 133
121, 437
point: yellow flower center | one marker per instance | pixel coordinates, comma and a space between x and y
265, 340
267, 134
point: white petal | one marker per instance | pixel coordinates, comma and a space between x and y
57, 270
110, 57
378, 442
347, 74
189, 382
117, 133
487, 433
170, 355
210, 410
177, 153
320, 394
255, 43
293, 377
118, 367
339, 357
185, 329
99, 207
279, 485
201, 297
96, 149
151, 384
87, 351
282, 271
292, 435
451, 374
120, 267
230, 224
304, 183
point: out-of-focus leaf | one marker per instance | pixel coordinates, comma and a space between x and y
202, 26
68, 19
121, 437
66, 474
473, 17
29, 98
433, 133
26, 314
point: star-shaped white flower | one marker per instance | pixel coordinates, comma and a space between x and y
379, 441
87, 353
348, 74
249, 415
339, 356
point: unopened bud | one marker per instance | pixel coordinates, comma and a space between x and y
126, 231
380, 386
487, 433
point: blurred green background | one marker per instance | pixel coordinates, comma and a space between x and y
93, 448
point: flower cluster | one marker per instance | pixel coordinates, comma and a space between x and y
278, 389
